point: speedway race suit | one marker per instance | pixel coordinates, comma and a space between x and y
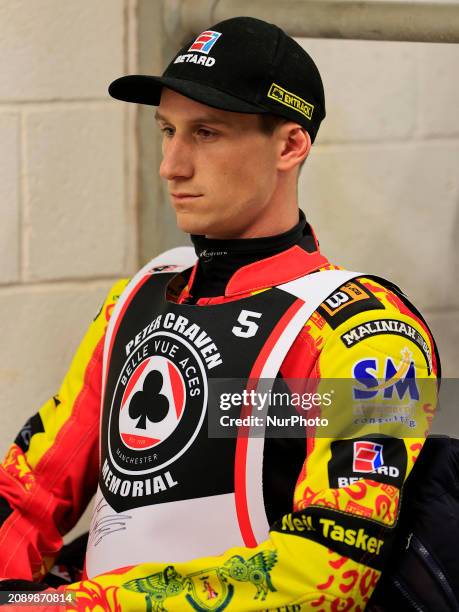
332, 501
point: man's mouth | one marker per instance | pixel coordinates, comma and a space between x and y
182, 196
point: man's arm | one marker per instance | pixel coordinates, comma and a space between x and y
50, 472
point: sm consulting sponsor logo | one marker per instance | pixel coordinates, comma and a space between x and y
382, 378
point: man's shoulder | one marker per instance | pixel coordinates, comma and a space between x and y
370, 315
363, 297
109, 301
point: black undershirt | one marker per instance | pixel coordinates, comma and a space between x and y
220, 259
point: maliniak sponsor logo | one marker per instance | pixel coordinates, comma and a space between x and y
388, 326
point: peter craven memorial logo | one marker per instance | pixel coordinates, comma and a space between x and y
157, 409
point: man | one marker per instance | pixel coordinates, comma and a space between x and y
184, 519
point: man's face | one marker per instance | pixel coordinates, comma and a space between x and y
221, 169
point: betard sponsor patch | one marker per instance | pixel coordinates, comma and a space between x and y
382, 459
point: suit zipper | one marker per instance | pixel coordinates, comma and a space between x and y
404, 593
432, 565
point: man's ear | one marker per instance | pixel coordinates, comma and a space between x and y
295, 144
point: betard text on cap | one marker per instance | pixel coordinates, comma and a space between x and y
195, 59
203, 44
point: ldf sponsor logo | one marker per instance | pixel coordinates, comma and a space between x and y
347, 294
372, 382
350, 299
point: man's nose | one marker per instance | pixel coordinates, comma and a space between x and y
177, 159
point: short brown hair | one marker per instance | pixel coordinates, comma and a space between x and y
269, 122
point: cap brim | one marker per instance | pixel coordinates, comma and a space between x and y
144, 89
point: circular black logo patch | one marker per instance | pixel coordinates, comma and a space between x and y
158, 406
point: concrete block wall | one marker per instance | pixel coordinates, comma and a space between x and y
381, 185
67, 186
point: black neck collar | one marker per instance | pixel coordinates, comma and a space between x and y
219, 259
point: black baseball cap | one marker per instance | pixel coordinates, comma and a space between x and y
243, 65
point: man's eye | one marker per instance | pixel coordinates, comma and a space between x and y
205, 133
167, 131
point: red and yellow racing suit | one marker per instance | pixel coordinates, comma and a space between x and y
321, 555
